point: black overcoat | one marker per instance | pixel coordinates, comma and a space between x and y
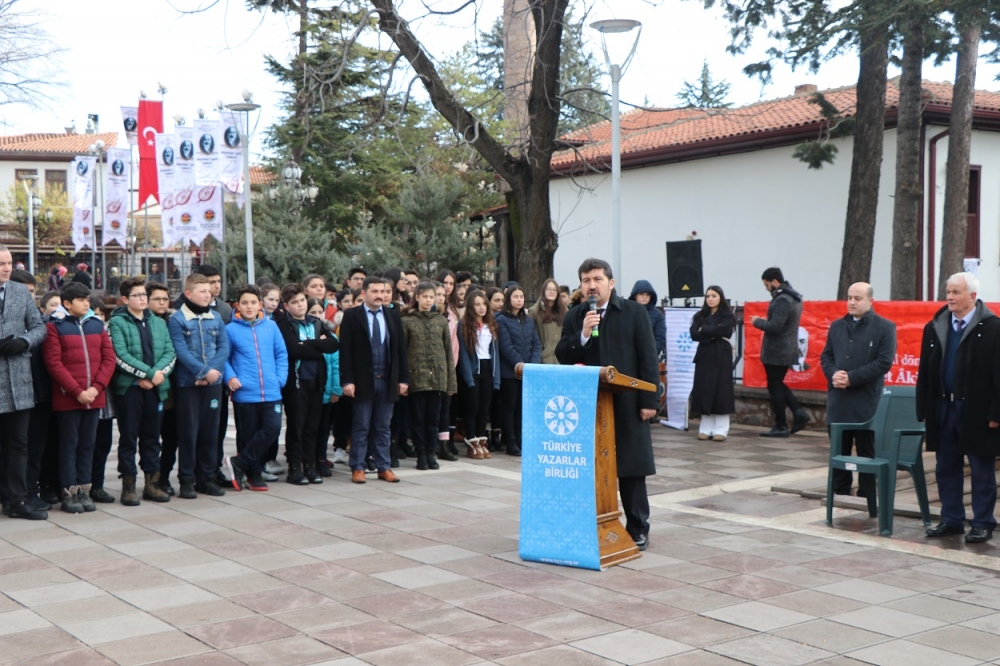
977, 380
356, 353
626, 342
713, 392
866, 349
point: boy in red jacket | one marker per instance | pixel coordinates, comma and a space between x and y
81, 360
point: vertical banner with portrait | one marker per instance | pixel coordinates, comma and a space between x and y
207, 155
186, 228
130, 119
116, 196
166, 171
208, 212
83, 182
231, 167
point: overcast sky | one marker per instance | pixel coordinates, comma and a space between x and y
114, 48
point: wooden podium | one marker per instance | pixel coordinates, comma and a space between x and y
616, 545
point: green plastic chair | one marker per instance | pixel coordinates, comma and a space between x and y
894, 420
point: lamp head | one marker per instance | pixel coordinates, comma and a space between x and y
160, 88
201, 113
142, 94
100, 145
610, 26
247, 96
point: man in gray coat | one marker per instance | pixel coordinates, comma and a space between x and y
860, 349
780, 350
21, 330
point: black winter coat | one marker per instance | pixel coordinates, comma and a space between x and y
519, 343
306, 350
626, 342
356, 353
780, 345
865, 349
977, 380
713, 391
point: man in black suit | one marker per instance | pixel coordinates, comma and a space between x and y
625, 341
373, 371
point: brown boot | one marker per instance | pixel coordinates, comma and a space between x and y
129, 496
484, 447
152, 491
472, 449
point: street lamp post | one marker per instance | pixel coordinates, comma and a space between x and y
291, 176
34, 205
97, 149
245, 107
610, 27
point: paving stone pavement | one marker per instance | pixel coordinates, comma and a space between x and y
426, 571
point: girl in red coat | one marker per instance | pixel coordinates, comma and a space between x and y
81, 361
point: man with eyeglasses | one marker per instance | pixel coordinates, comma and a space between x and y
144, 357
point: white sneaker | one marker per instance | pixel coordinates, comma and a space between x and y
267, 476
273, 467
340, 456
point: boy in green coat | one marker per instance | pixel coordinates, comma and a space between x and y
144, 356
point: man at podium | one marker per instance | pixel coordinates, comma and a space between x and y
609, 330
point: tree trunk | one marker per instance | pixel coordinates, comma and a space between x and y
299, 112
906, 209
956, 193
866, 165
527, 173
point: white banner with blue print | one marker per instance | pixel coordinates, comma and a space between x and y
680, 365
558, 494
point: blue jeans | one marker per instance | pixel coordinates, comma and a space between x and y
950, 474
370, 428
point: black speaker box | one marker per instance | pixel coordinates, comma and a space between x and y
684, 273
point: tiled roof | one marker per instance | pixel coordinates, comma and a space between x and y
75, 144
660, 131
261, 176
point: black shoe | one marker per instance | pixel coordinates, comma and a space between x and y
36, 503
642, 541
312, 475
405, 450
21, 509
235, 467
167, 488
800, 420
370, 465
295, 475
943, 529
776, 431
324, 470
861, 493
443, 453
513, 450
210, 488
845, 492
101, 496
978, 535
187, 490
50, 496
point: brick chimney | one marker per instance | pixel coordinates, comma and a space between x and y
805, 88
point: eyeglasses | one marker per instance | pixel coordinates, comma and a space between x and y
139, 296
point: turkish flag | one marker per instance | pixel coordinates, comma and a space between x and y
150, 123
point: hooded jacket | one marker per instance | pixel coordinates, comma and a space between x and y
258, 358
127, 342
519, 343
428, 352
656, 317
78, 355
781, 328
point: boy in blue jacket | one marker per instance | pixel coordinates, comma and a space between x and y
202, 348
256, 372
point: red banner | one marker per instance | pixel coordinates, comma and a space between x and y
910, 318
150, 123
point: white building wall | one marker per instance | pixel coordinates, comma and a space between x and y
751, 211
8, 168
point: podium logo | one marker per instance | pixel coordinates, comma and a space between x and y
684, 341
561, 415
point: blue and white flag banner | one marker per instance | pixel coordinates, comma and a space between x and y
207, 157
185, 201
558, 492
83, 182
231, 165
680, 365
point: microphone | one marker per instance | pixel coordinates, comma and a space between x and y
592, 302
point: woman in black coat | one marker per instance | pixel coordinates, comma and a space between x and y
712, 394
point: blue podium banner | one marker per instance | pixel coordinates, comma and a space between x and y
558, 493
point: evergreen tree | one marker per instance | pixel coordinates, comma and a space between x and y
705, 93
287, 243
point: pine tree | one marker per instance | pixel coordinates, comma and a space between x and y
705, 93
